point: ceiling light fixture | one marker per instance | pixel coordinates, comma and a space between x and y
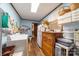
34, 7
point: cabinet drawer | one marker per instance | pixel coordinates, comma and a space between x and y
47, 35
75, 15
65, 20
75, 12
48, 43
76, 36
75, 19
77, 43
47, 49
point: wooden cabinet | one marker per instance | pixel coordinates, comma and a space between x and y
48, 43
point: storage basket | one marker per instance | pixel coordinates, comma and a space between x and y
63, 10
74, 6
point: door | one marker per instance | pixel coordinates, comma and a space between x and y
34, 30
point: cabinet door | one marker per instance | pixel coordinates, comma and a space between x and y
48, 43
47, 49
76, 36
60, 21
75, 15
67, 18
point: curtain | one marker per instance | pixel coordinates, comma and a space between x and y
5, 20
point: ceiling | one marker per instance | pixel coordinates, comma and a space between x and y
24, 10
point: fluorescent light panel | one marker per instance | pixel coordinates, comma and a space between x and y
34, 7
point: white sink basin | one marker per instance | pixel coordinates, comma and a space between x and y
18, 36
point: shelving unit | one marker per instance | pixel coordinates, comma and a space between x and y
65, 18
72, 16
75, 15
76, 42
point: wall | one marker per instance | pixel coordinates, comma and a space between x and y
29, 24
8, 8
